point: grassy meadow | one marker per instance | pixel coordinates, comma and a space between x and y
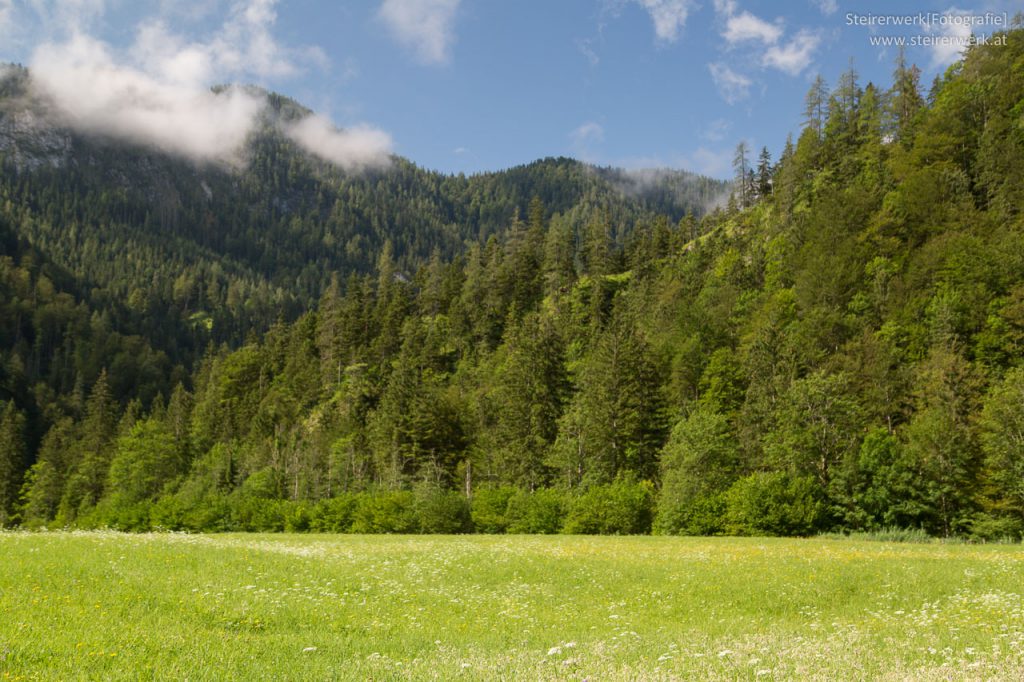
101, 605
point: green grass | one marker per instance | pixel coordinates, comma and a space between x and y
109, 606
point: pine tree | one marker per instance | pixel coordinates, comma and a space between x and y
532, 387
12, 459
330, 340
870, 131
905, 97
44, 482
392, 304
616, 421
559, 256
598, 246
764, 173
816, 106
89, 473
179, 419
741, 169
520, 274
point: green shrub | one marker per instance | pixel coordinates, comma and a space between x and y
201, 503
624, 507
195, 508
115, 512
257, 515
441, 511
489, 509
333, 515
540, 511
298, 516
264, 484
700, 516
774, 504
385, 512
988, 528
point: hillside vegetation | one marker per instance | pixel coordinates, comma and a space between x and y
839, 349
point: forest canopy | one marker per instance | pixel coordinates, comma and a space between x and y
837, 347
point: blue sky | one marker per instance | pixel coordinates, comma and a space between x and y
474, 85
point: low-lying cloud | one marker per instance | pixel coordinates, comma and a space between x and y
157, 92
584, 137
94, 93
352, 149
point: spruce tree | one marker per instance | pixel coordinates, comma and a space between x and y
12, 459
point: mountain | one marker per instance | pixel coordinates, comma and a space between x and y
187, 253
550, 348
283, 221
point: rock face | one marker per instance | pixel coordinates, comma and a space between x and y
29, 137
31, 141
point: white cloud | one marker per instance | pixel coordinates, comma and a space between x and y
732, 86
95, 93
794, 56
352, 149
157, 92
669, 17
952, 36
246, 44
745, 26
584, 138
588, 132
425, 26
791, 57
725, 7
827, 7
243, 46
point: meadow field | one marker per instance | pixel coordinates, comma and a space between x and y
102, 605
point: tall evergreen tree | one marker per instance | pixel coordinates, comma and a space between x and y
905, 96
92, 455
816, 106
741, 169
532, 387
615, 423
12, 459
764, 173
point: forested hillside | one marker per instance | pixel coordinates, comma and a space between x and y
545, 349
194, 253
